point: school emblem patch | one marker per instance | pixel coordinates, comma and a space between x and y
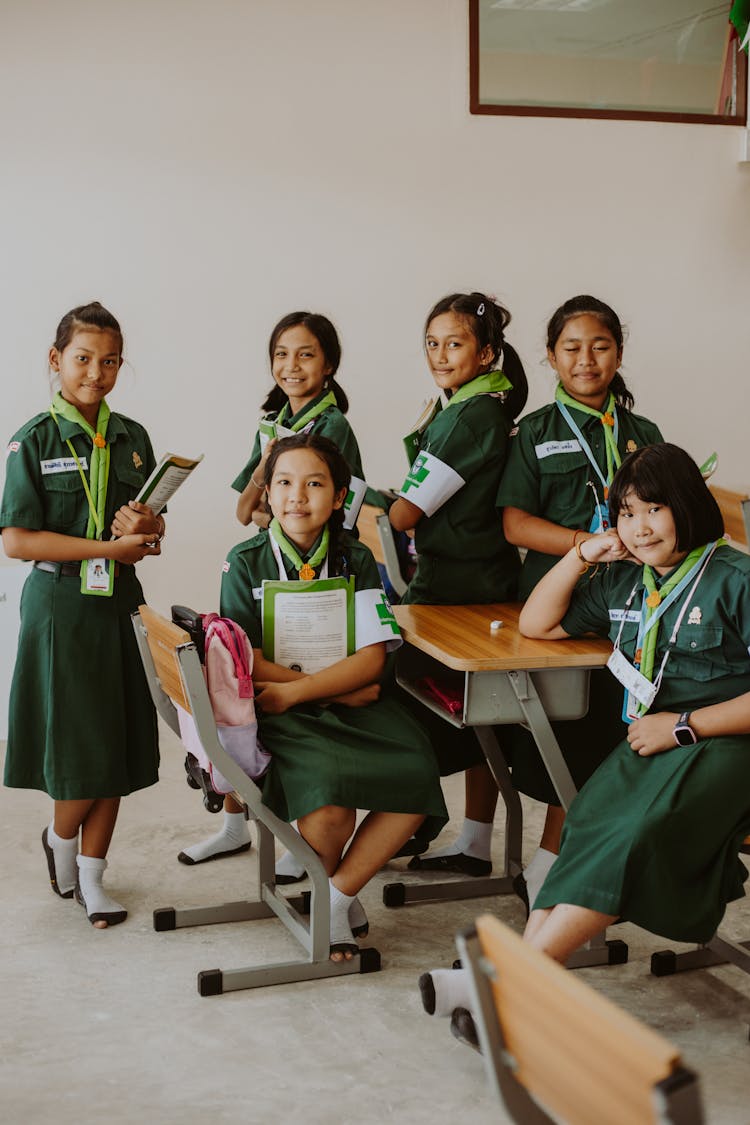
13, 447
225, 567
695, 616
631, 446
137, 460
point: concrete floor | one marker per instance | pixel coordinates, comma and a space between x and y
109, 1024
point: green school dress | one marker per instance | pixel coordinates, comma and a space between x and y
654, 840
374, 757
330, 423
546, 475
81, 723
462, 555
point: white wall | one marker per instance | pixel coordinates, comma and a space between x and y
203, 168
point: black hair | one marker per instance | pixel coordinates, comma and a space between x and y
585, 305
666, 474
488, 321
341, 476
92, 315
327, 336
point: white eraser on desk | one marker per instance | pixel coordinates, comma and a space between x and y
495, 625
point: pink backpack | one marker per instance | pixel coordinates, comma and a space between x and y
228, 670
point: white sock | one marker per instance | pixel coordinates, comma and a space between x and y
451, 990
474, 839
233, 835
289, 865
65, 852
536, 872
357, 916
99, 907
341, 904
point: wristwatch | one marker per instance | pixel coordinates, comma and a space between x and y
684, 735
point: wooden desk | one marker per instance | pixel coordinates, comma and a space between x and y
504, 678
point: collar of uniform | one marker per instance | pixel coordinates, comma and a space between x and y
115, 427
308, 406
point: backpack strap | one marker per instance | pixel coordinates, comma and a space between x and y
234, 639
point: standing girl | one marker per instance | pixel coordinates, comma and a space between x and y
336, 745
305, 353
449, 497
81, 724
554, 494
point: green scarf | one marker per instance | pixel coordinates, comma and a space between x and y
305, 570
308, 415
96, 486
492, 382
607, 419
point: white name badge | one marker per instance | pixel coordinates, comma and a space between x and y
631, 679
62, 465
550, 448
625, 615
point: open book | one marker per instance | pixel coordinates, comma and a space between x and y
430, 410
166, 478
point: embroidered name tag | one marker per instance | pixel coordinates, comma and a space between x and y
62, 465
549, 448
624, 615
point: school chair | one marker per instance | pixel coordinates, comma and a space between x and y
735, 511
175, 676
720, 950
555, 1050
375, 532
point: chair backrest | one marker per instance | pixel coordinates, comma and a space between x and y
164, 637
580, 1056
375, 532
735, 511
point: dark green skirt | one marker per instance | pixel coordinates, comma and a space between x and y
655, 840
81, 723
375, 758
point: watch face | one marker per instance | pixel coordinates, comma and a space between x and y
685, 736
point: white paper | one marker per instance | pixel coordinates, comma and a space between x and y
310, 629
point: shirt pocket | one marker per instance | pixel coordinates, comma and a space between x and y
562, 485
698, 653
63, 493
129, 483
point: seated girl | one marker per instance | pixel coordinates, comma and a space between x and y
336, 745
654, 834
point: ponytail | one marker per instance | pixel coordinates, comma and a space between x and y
515, 399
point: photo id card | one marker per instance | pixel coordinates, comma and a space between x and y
97, 577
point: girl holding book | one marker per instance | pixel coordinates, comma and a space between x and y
304, 353
337, 744
81, 724
449, 497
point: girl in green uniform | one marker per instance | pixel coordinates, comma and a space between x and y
449, 497
554, 494
81, 724
654, 834
336, 744
305, 353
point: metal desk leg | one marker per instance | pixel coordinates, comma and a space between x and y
398, 894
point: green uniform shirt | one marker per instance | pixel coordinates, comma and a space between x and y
331, 424
462, 554
43, 487
710, 661
547, 472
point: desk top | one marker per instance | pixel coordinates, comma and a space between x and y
459, 637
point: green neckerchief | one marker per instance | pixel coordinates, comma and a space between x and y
306, 416
654, 599
305, 570
607, 419
96, 486
491, 383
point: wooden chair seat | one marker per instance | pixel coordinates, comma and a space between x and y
555, 1049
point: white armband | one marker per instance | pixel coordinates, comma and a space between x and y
430, 482
374, 621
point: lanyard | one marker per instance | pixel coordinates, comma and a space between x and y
692, 570
96, 486
307, 415
610, 423
491, 383
306, 570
